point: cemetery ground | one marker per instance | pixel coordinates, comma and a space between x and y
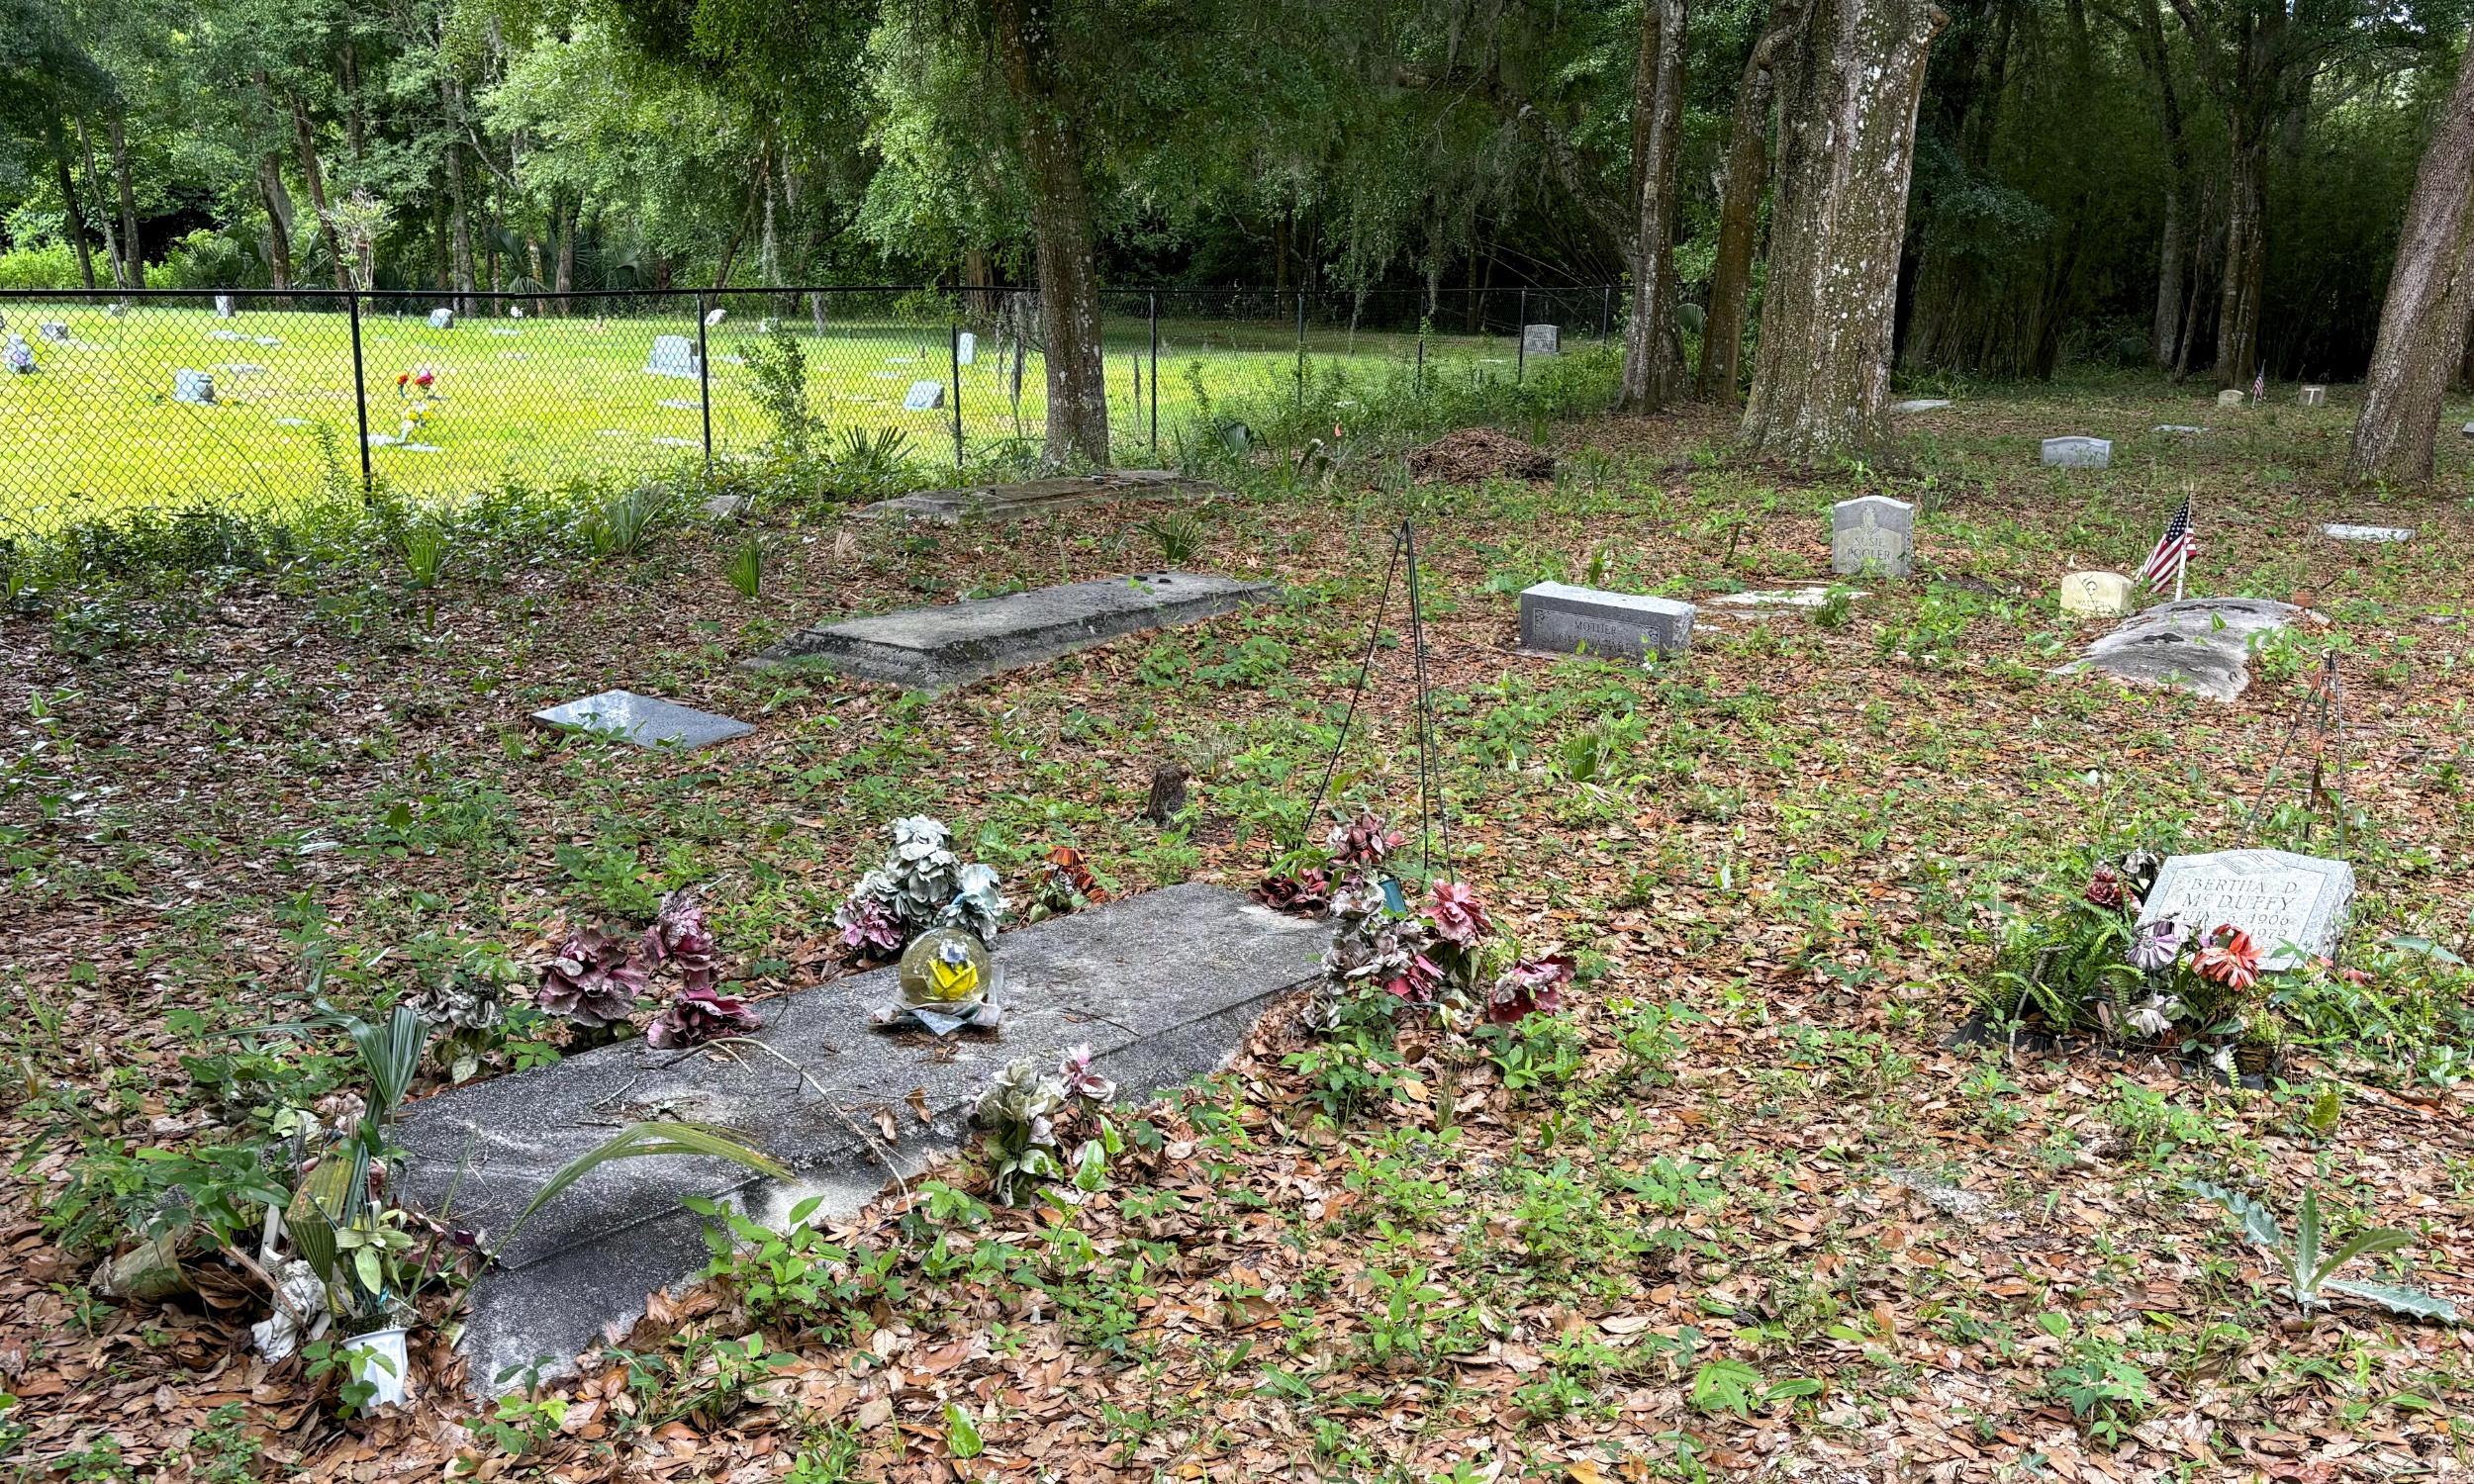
97, 432
1742, 1208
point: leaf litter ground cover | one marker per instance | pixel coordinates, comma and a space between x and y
1743, 1208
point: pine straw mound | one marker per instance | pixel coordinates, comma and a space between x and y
1475, 455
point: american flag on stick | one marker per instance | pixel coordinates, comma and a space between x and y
2174, 550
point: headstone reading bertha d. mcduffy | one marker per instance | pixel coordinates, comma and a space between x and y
1540, 339
442, 319
967, 348
2096, 594
1566, 620
192, 386
924, 397
673, 355
2076, 452
1875, 533
2292, 906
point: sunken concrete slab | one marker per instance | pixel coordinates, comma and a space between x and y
1039, 496
949, 644
1164, 988
645, 720
2375, 534
2202, 644
1809, 595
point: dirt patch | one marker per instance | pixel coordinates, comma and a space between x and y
1475, 455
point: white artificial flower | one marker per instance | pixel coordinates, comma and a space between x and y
2155, 1017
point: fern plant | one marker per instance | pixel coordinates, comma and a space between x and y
2308, 1267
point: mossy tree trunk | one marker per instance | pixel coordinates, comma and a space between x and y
1653, 358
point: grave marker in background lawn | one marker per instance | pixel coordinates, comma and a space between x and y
1559, 618
193, 386
2367, 533
645, 720
924, 397
442, 319
1540, 339
2075, 452
673, 355
2096, 594
2292, 906
1873, 534
2202, 645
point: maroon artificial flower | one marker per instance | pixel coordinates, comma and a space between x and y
867, 926
701, 1015
1459, 917
681, 939
1304, 892
2104, 888
1532, 986
594, 981
1365, 841
1416, 983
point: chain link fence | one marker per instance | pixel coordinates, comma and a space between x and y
260, 403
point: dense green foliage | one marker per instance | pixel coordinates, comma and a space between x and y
1439, 145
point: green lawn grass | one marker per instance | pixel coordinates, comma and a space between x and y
96, 432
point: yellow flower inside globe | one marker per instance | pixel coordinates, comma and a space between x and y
942, 967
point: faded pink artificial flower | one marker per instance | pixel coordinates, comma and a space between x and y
701, 1015
1532, 986
1459, 917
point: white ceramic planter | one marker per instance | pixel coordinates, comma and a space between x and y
383, 1361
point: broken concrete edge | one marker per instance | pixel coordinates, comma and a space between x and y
1013, 502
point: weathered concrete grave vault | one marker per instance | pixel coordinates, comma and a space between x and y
1164, 986
2201, 644
954, 643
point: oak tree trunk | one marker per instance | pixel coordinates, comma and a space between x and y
1849, 81
2246, 264
459, 229
136, 255
1738, 213
566, 281
307, 138
76, 223
94, 188
2422, 324
2169, 255
1653, 361
278, 203
1061, 236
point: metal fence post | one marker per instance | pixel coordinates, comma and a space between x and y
1155, 376
1301, 350
1520, 357
704, 384
953, 338
360, 395
1606, 311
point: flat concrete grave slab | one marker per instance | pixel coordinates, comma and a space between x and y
1038, 497
1559, 618
2292, 906
950, 644
1919, 404
2176, 427
645, 720
2343, 532
2075, 452
1164, 988
1811, 597
2202, 644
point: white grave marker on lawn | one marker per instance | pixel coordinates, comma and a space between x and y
672, 355
2292, 906
223, 306
2075, 452
442, 318
967, 348
193, 386
924, 397
2343, 532
2096, 594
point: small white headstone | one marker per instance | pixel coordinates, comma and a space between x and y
223, 306
2292, 906
716, 318
1875, 533
192, 386
2367, 533
2078, 453
19, 356
2313, 395
2231, 397
924, 397
967, 348
53, 331
516, 312
2096, 594
443, 317
673, 355
1540, 339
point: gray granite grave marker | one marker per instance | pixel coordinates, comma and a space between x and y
2292, 906
949, 644
53, 331
2313, 396
1164, 986
2075, 452
645, 720
1540, 339
193, 386
1919, 404
1875, 533
1561, 618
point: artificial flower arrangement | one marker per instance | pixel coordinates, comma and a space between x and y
418, 390
2196, 988
596, 977
1031, 1116
1441, 956
921, 885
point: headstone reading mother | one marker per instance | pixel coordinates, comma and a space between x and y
2292, 906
